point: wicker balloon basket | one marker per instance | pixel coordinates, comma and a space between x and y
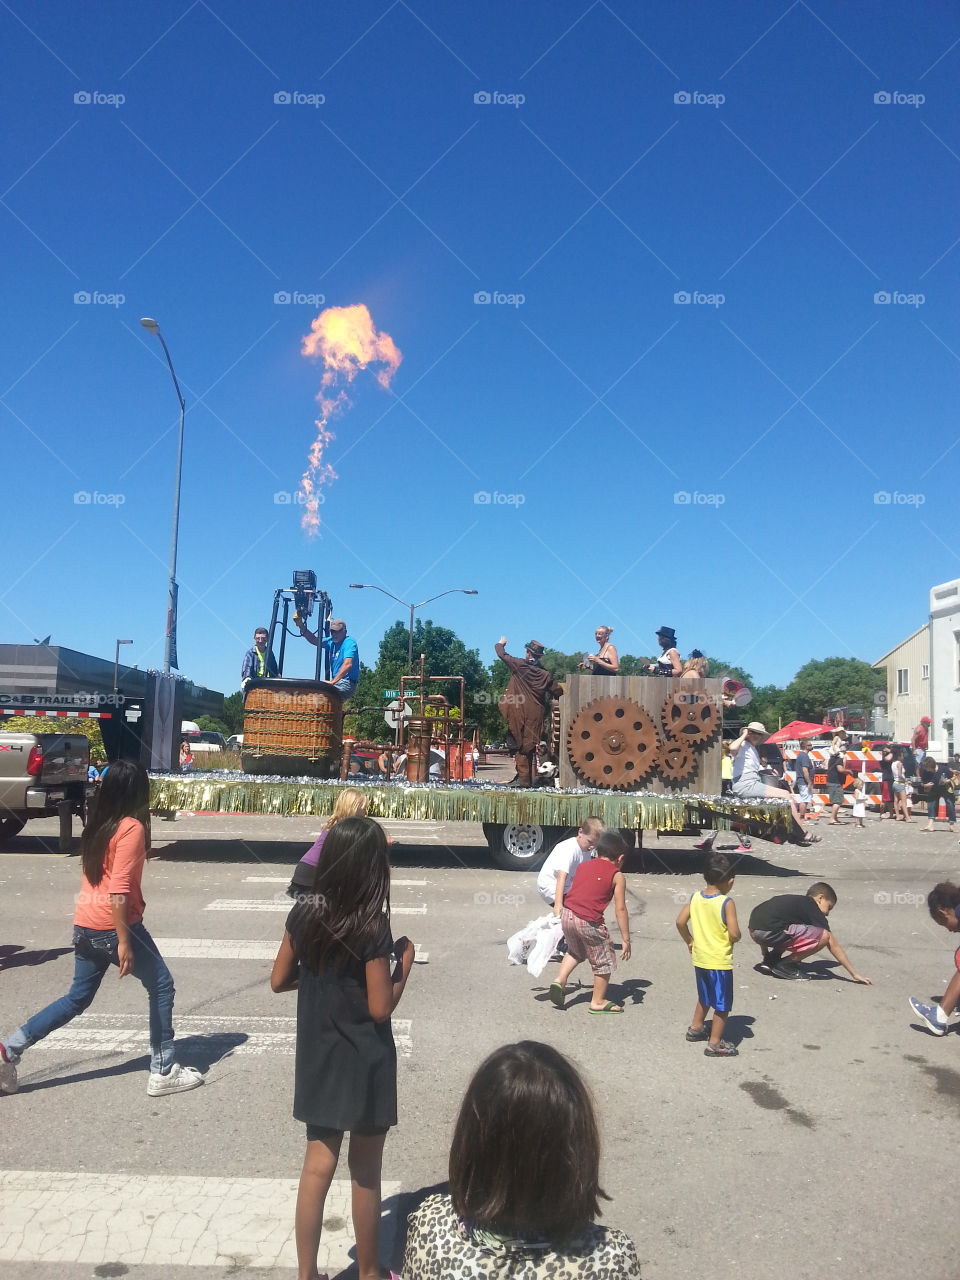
293, 728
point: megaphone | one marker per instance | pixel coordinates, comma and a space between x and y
737, 692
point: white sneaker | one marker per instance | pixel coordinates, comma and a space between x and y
8, 1073
177, 1080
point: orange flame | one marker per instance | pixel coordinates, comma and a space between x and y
345, 339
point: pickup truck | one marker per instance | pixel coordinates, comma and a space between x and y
43, 775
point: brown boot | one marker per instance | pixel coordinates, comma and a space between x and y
524, 769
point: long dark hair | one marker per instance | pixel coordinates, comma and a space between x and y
124, 793
350, 896
525, 1157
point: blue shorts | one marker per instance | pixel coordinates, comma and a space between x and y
715, 988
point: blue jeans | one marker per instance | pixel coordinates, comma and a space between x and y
346, 687
933, 805
148, 966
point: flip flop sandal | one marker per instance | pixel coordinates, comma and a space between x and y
557, 994
609, 1007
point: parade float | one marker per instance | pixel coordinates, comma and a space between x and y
641, 753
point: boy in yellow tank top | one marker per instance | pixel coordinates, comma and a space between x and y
708, 925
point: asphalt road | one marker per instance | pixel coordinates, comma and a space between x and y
826, 1146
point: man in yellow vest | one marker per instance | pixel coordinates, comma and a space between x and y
258, 662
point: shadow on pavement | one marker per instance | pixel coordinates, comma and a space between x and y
287, 853
661, 860
13, 956
201, 1052
739, 1027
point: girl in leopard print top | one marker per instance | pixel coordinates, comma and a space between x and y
524, 1182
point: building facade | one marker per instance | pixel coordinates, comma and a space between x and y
51, 669
945, 667
907, 669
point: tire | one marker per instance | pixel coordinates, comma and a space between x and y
519, 846
11, 826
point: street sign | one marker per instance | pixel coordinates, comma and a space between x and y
391, 693
395, 712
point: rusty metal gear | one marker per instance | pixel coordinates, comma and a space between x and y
613, 743
690, 716
677, 763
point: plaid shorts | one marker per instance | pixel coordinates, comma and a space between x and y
799, 939
588, 941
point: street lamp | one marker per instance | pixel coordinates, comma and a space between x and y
169, 642
116, 664
370, 586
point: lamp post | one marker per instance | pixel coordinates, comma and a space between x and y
169, 641
116, 664
370, 586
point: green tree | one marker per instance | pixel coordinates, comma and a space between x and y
445, 655
40, 724
768, 706
831, 682
233, 713
209, 724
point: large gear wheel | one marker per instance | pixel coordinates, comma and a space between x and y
677, 763
690, 716
613, 743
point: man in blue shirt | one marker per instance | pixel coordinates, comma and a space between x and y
343, 653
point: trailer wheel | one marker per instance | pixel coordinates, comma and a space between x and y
10, 827
520, 846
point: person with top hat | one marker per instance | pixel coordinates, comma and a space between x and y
258, 662
920, 742
523, 704
669, 663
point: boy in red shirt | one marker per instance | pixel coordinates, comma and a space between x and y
597, 882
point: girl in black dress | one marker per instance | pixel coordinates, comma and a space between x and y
349, 974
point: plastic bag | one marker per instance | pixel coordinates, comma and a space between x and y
548, 935
521, 943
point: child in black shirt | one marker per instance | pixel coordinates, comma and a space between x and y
791, 926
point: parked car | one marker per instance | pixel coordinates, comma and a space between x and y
43, 775
204, 741
235, 742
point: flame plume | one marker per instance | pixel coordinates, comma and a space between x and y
346, 341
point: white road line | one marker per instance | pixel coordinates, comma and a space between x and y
230, 949
404, 884
216, 949
118, 1033
93, 1218
283, 903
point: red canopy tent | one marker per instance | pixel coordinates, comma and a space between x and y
801, 729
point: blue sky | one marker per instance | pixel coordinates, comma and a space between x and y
735, 155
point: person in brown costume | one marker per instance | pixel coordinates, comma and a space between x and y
524, 703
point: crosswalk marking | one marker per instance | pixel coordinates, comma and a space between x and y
119, 1033
394, 883
216, 949
159, 1221
282, 903
231, 949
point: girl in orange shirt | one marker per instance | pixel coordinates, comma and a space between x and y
108, 929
